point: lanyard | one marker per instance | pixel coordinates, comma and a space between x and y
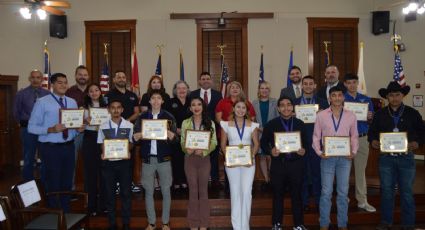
116, 131
336, 126
396, 118
193, 125
287, 127
239, 131
63, 106
312, 101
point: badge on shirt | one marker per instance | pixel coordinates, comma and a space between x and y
132, 98
174, 105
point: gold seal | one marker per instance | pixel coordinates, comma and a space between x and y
240, 146
71, 124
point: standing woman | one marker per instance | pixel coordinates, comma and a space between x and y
179, 108
154, 83
197, 165
91, 150
265, 108
240, 130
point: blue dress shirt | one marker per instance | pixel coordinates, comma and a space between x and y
45, 114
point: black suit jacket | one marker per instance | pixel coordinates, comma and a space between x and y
215, 98
322, 91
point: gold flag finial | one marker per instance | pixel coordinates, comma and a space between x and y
261, 46
159, 47
105, 45
395, 38
221, 47
361, 45
326, 45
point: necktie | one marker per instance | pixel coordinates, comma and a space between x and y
65, 132
36, 95
206, 97
297, 91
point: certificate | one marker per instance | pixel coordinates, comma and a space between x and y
98, 115
287, 142
72, 118
307, 113
197, 139
337, 146
393, 142
115, 149
359, 109
154, 129
238, 156
29, 193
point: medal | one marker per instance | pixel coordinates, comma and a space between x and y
395, 129
240, 146
336, 126
240, 132
396, 118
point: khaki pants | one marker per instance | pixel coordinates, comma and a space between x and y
360, 163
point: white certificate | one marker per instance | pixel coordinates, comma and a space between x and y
197, 139
307, 113
337, 146
238, 156
359, 109
2, 215
287, 142
98, 116
115, 149
393, 142
72, 118
29, 193
154, 129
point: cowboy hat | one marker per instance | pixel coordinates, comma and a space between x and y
393, 86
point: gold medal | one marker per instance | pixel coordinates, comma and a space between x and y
240, 146
71, 124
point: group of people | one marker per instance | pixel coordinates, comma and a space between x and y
232, 120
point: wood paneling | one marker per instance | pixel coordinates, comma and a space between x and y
343, 50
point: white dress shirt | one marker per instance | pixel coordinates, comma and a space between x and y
202, 92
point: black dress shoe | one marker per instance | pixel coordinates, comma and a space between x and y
126, 227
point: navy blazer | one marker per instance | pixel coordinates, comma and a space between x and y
322, 91
289, 92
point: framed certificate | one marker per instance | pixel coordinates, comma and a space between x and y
154, 129
98, 115
307, 113
238, 156
359, 109
337, 146
287, 142
197, 139
393, 142
115, 149
71, 118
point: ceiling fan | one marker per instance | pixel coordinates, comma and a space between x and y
48, 6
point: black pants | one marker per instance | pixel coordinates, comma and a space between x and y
113, 172
287, 174
91, 156
215, 176
177, 164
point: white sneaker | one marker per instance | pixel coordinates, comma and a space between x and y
367, 207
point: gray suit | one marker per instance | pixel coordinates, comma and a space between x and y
273, 113
289, 92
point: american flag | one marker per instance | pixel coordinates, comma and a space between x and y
398, 71
224, 78
104, 78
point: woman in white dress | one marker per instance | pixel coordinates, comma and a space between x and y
239, 131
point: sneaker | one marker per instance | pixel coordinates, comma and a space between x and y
135, 188
150, 227
277, 227
367, 207
383, 227
166, 227
299, 227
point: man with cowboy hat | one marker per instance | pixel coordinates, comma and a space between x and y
397, 168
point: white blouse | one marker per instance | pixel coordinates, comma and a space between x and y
233, 136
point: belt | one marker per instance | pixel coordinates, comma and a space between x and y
60, 143
153, 155
396, 154
362, 134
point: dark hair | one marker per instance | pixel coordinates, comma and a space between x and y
156, 91
336, 89
295, 67
350, 76
284, 98
119, 71
206, 121
204, 73
110, 101
331, 65
88, 101
80, 67
307, 77
149, 89
55, 76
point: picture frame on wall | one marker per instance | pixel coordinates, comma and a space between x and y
418, 101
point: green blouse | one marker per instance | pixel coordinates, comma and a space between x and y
187, 124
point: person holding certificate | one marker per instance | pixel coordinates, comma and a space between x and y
56, 140
351, 82
241, 134
156, 131
155, 83
397, 164
115, 136
91, 151
310, 103
336, 130
198, 140
287, 166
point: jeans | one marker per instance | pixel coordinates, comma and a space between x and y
329, 168
29, 148
401, 170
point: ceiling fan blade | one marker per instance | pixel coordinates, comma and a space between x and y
61, 4
53, 10
392, 5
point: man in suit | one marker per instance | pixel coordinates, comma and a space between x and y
331, 77
293, 91
211, 98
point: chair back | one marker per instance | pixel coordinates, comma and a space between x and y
5, 213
